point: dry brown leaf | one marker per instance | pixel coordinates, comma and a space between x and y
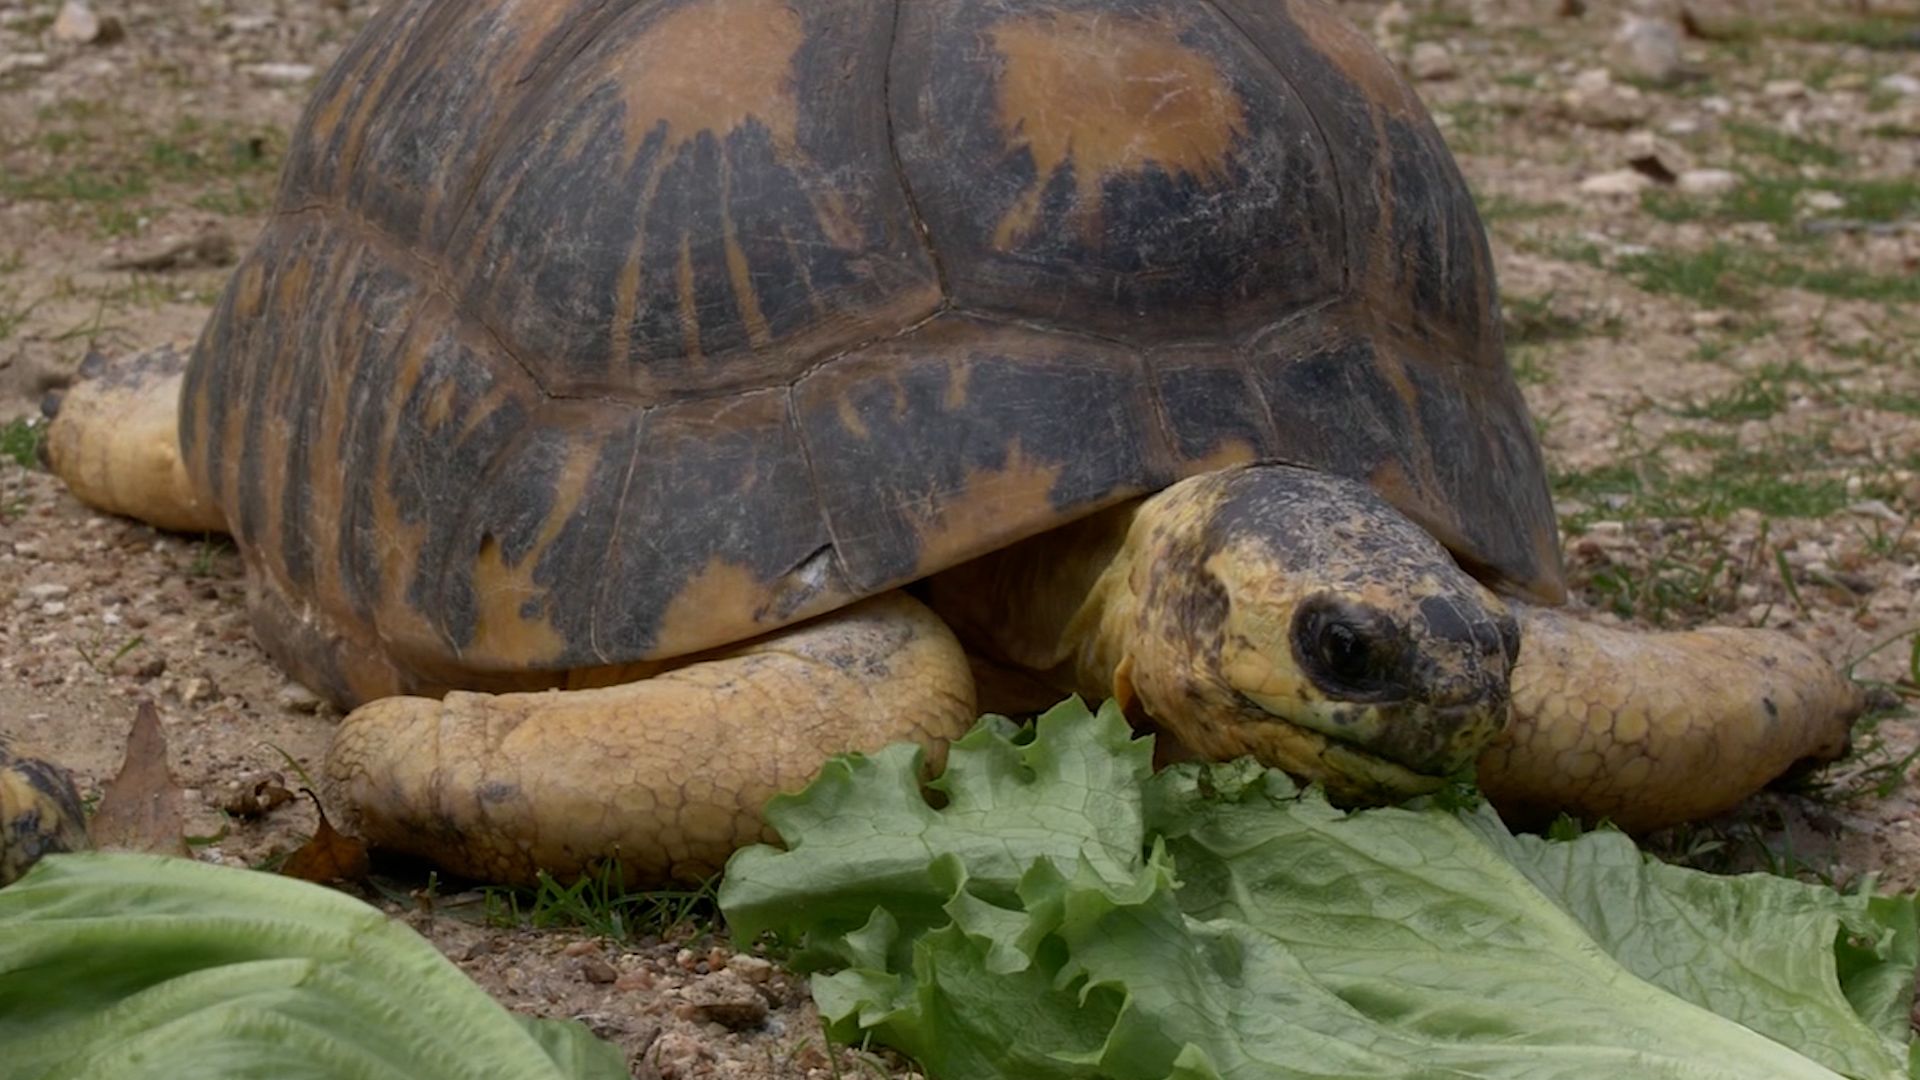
140, 807
256, 795
330, 856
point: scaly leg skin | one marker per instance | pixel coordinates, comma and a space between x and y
115, 440
668, 773
1650, 730
40, 813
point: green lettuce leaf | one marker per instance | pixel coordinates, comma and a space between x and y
126, 965
1218, 922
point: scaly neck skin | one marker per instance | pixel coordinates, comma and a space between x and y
1050, 606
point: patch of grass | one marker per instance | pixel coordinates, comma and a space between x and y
1776, 200
1782, 147
1711, 277
601, 904
206, 553
1438, 22
115, 169
1846, 282
21, 439
1507, 208
14, 311
1536, 320
1774, 481
1725, 276
1866, 31
1750, 399
1760, 395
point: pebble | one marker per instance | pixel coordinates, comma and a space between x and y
78, 24
598, 971
1781, 89
1707, 181
1593, 99
1392, 20
675, 1054
1901, 83
753, 969
1432, 62
726, 999
294, 697
635, 980
1647, 48
47, 590
1822, 201
26, 61
248, 24
1619, 182
197, 690
275, 74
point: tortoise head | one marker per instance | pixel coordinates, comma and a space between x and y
1298, 617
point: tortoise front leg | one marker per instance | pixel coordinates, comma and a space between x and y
668, 773
1650, 730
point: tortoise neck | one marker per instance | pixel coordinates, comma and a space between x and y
1040, 605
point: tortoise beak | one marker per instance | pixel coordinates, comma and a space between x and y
1415, 738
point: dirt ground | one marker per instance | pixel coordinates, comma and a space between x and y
1709, 249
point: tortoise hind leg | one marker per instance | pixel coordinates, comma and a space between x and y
667, 773
115, 440
1650, 730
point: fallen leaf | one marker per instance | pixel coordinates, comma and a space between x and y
256, 795
330, 856
140, 807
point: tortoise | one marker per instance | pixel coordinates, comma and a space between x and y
628, 406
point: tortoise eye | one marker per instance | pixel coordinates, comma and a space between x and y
1344, 652
1347, 650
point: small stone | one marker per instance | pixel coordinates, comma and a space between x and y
1822, 201
1781, 89
152, 668
598, 971
1595, 100
1432, 62
1620, 182
13, 62
1900, 83
1647, 48
294, 697
635, 980
77, 24
26, 549
54, 607
276, 74
751, 968
676, 1053
1392, 20
580, 948
1707, 181
726, 999
197, 690
47, 590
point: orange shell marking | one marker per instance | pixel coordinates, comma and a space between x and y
1110, 95
671, 77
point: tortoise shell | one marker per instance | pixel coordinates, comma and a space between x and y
588, 333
